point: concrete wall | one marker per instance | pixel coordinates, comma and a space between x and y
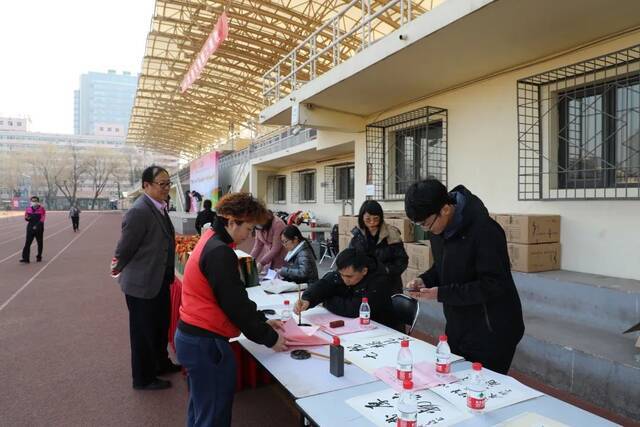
598, 237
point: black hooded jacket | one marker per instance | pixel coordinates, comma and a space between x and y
344, 300
473, 275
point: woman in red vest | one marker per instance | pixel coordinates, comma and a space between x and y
215, 307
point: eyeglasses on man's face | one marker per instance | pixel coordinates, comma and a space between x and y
424, 225
163, 184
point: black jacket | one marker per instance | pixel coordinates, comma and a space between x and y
389, 251
218, 263
204, 216
473, 275
301, 268
345, 300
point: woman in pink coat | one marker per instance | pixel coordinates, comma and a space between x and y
268, 250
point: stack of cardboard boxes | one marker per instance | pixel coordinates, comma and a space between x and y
345, 225
420, 260
533, 241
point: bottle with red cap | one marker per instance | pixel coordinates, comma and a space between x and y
407, 406
365, 312
404, 366
286, 311
476, 389
443, 357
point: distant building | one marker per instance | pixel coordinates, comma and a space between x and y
14, 124
104, 101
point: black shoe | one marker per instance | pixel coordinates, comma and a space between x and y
169, 368
156, 384
39, 259
24, 261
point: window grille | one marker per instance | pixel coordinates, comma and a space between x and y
303, 186
404, 149
339, 182
277, 189
579, 130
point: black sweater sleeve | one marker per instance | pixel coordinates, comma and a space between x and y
219, 263
399, 259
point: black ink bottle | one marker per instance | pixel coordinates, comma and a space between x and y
336, 358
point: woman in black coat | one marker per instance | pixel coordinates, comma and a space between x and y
300, 261
381, 241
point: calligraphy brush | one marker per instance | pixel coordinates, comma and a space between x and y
324, 356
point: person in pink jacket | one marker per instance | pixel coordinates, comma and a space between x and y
35, 216
268, 250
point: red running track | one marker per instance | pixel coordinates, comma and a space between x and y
64, 345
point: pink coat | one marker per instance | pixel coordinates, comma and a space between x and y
267, 249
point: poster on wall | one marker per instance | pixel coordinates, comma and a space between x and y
204, 176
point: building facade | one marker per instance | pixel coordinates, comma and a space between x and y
103, 102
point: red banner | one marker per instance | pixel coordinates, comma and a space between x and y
215, 39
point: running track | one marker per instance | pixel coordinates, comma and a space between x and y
64, 344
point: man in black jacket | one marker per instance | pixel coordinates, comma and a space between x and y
205, 216
341, 291
471, 275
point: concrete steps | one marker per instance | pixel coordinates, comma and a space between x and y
573, 339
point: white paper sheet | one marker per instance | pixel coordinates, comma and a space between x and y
502, 390
371, 353
531, 419
380, 408
271, 274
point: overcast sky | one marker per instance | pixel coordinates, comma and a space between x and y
47, 44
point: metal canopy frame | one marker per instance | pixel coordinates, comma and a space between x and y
229, 94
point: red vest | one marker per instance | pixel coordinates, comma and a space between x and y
199, 306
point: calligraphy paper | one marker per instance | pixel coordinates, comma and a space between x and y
531, 419
271, 274
371, 353
297, 336
501, 390
350, 325
424, 376
380, 408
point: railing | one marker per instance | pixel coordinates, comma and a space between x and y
330, 44
267, 145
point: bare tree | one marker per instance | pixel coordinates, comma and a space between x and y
103, 167
47, 165
72, 174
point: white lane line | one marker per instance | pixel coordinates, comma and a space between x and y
22, 237
23, 287
20, 251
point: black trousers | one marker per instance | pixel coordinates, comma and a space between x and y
75, 221
33, 234
149, 334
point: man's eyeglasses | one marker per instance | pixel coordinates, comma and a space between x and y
425, 226
165, 184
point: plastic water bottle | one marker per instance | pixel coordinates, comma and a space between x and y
476, 389
407, 406
443, 357
365, 312
404, 366
286, 311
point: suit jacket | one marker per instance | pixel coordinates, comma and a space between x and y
144, 249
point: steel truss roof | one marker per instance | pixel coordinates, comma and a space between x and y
228, 95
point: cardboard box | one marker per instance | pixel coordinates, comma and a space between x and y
346, 224
534, 258
419, 256
404, 225
494, 216
410, 274
638, 343
530, 229
343, 242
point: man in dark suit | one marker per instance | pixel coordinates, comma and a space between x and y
144, 264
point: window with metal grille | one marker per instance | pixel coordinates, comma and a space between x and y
277, 189
579, 130
404, 149
339, 182
303, 186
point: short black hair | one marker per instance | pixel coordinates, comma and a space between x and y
352, 258
425, 198
207, 204
372, 208
35, 197
150, 173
